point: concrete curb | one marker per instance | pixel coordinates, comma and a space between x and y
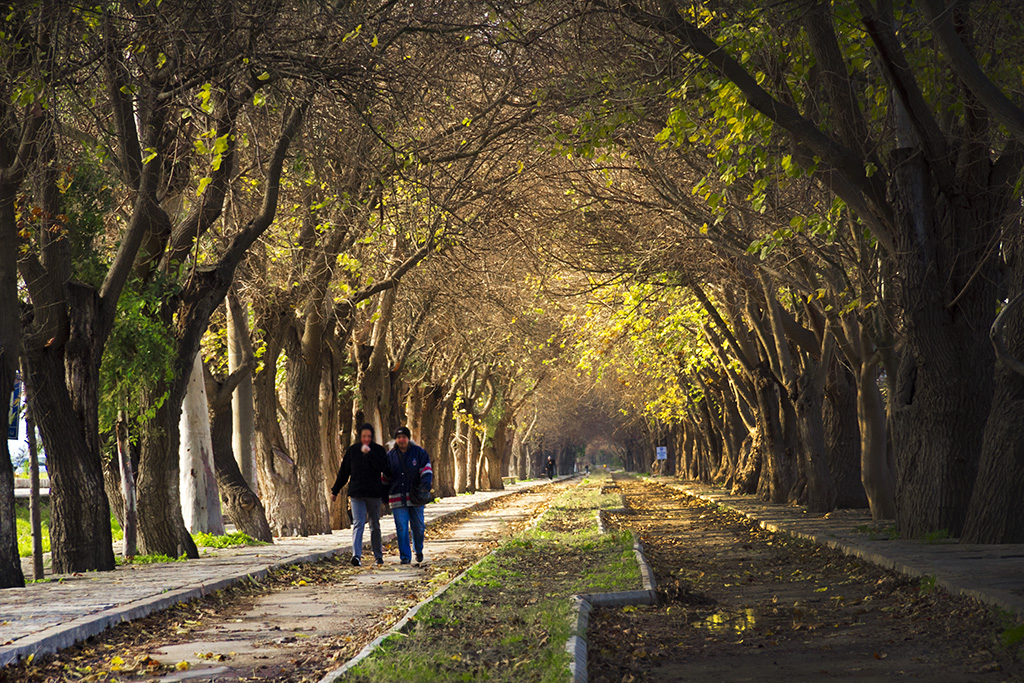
55, 638
398, 628
1004, 600
577, 645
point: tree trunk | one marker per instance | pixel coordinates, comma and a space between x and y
276, 469
373, 376
944, 384
821, 491
995, 514
80, 536
200, 504
490, 457
240, 502
473, 446
302, 397
330, 439
10, 562
842, 437
876, 470
460, 449
243, 409
504, 445
10, 345
446, 456
161, 525
130, 523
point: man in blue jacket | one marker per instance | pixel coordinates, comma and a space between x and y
409, 475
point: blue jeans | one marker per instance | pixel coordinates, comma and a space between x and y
404, 518
363, 508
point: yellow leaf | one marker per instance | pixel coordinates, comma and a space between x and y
182, 666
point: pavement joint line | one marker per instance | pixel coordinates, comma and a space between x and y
1003, 599
59, 636
399, 627
577, 646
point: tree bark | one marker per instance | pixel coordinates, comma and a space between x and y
302, 396
240, 502
275, 468
842, 437
445, 453
473, 447
243, 410
10, 562
80, 536
200, 504
995, 515
130, 516
331, 437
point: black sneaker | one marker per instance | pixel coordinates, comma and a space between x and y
419, 558
356, 562
379, 562
404, 562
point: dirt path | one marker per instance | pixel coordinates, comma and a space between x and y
297, 624
741, 604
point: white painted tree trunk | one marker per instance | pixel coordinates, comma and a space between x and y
200, 504
243, 411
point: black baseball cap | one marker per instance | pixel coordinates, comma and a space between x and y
403, 431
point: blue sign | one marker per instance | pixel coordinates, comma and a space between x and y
662, 452
14, 414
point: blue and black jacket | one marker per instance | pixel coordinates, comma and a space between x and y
406, 472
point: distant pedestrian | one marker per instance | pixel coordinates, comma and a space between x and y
362, 467
587, 468
409, 475
549, 467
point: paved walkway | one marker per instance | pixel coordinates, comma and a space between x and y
992, 574
45, 617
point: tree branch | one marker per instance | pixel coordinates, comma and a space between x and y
967, 68
900, 76
999, 340
851, 165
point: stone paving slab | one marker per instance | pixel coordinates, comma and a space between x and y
45, 617
992, 574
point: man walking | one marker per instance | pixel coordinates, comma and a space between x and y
549, 467
363, 463
410, 477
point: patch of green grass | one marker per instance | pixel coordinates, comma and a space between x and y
232, 540
879, 532
24, 527
508, 619
936, 536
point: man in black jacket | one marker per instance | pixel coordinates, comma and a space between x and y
363, 463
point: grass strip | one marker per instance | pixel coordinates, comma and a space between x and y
509, 618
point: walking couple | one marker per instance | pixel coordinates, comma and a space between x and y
402, 475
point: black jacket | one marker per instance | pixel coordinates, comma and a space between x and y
364, 469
